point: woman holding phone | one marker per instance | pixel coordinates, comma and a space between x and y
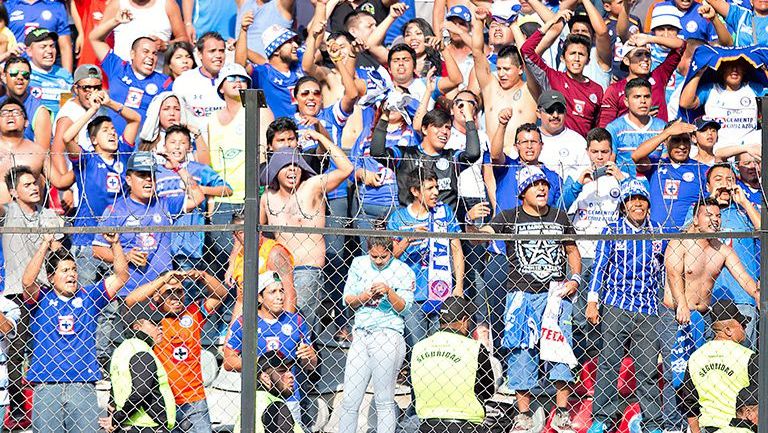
380, 290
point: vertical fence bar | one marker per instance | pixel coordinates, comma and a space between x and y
253, 100
763, 329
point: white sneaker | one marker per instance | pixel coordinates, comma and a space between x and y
561, 422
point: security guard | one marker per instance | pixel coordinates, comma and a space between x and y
451, 374
746, 412
141, 396
275, 384
717, 371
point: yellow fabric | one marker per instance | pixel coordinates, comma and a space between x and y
120, 373
264, 250
264, 399
719, 370
8, 35
227, 147
443, 370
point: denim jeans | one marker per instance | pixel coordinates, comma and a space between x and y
90, 270
193, 418
585, 336
496, 271
617, 327
309, 282
65, 408
336, 266
374, 356
667, 330
109, 329
475, 256
419, 325
750, 312
220, 243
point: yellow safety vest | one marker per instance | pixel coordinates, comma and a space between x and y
264, 399
719, 369
443, 371
120, 373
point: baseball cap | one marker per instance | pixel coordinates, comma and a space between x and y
461, 12
275, 36
87, 71
273, 359
39, 34
527, 176
505, 11
549, 98
725, 309
634, 188
627, 48
141, 161
266, 279
455, 309
666, 14
702, 122
231, 70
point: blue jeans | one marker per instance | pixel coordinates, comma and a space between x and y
193, 418
496, 272
109, 329
419, 325
667, 329
90, 270
65, 408
750, 312
523, 363
220, 243
336, 267
310, 287
367, 216
374, 356
475, 256
585, 336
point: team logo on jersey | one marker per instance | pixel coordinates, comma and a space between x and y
272, 343
671, 189
287, 329
745, 101
180, 353
688, 177
578, 105
148, 241
151, 88
232, 153
113, 183
157, 218
691, 26
133, 99
186, 321
36, 92
98, 16
615, 192
652, 81
442, 164
77, 303
564, 152
118, 166
132, 221
66, 325
402, 142
656, 246
16, 15
46, 15
593, 98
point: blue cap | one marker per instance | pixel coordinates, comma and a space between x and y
527, 176
461, 12
702, 122
634, 188
141, 161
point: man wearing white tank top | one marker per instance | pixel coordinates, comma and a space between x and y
159, 19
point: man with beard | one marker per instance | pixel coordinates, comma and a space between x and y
564, 150
504, 90
692, 267
132, 83
16, 77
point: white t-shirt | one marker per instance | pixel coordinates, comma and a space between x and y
565, 153
151, 21
471, 184
200, 96
73, 111
735, 110
596, 206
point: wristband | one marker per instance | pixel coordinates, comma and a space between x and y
576, 278
593, 297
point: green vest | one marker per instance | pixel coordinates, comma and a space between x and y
120, 373
719, 370
264, 399
443, 373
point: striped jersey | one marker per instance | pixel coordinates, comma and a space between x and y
627, 137
629, 274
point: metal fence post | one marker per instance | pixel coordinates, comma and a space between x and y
253, 101
763, 324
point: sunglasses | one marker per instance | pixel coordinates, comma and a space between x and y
306, 93
15, 73
236, 79
91, 88
557, 108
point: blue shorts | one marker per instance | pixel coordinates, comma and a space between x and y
523, 363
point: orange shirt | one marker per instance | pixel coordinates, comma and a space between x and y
265, 247
180, 352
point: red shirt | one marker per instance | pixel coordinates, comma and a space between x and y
582, 98
91, 13
614, 105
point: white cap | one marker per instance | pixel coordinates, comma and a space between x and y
266, 279
666, 15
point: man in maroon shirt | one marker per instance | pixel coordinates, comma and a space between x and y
583, 95
636, 57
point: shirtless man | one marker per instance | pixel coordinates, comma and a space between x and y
508, 90
16, 150
295, 199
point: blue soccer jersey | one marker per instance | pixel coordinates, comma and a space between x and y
130, 213
674, 189
48, 14
47, 87
278, 87
169, 184
99, 184
627, 137
126, 88
32, 106
64, 335
284, 335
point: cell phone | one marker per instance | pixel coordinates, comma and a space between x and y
599, 172
654, 108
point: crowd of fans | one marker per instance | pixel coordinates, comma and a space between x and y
525, 118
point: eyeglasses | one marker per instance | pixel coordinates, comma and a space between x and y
91, 88
236, 79
306, 93
15, 73
15, 112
